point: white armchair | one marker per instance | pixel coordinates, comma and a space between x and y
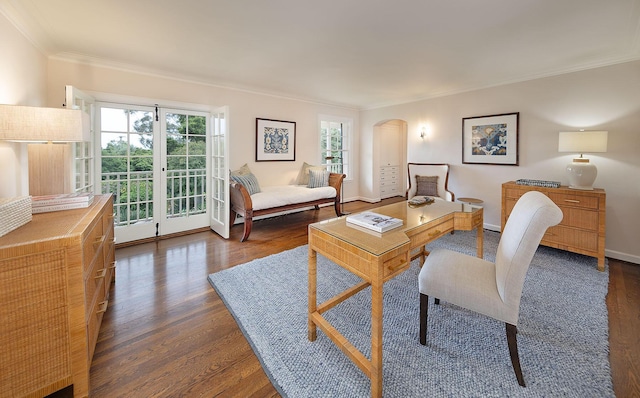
491, 289
439, 170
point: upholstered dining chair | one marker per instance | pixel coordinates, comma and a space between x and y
491, 289
429, 179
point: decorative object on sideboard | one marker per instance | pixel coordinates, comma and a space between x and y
49, 169
14, 213
539, 183
580, 172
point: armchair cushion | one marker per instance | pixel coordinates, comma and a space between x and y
427, 185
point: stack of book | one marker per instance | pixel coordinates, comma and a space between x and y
47, 203
374, 221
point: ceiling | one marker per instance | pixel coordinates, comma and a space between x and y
355, 53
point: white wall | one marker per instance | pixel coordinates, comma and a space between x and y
22, 82
606, 98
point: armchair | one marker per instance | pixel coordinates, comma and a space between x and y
439, 170
491, 289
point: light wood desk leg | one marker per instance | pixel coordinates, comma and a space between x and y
376, 332
480, 241
313, 273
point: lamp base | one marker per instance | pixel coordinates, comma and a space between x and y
581, 174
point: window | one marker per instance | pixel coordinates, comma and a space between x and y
335, 143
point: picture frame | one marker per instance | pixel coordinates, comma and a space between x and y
275, 140
491, 139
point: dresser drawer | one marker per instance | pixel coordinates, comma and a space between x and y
93, 324
578, 201
92, 242
94, 282
578, 218
571, 239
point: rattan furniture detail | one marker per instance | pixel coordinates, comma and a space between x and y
582, 229
55, 273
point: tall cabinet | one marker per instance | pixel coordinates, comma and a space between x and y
390, 158
55, 275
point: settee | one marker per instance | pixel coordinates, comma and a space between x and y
250, 200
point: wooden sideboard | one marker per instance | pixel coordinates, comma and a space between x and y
582, 229
55, 275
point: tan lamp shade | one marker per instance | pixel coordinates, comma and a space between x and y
28, 123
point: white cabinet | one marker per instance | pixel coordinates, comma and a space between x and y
390, 181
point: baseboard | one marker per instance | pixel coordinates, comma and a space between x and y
622, 256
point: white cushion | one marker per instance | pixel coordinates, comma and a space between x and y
282, 195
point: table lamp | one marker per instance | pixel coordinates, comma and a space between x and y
581, 173
49, 163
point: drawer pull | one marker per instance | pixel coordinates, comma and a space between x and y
103, 307
435, 233
397, 266
113, 265
572, 201
101, 274
98, 241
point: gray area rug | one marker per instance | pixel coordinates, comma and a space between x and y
562, 332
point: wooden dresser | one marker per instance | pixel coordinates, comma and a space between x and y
582, 229
55, 275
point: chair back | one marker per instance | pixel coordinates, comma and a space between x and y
429, 169
532, 215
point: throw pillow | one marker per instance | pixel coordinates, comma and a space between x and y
242, 171
303, 176
318, 178
249, 181
427, 185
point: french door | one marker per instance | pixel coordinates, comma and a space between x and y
154, 161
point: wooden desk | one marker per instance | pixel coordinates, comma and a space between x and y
376, 258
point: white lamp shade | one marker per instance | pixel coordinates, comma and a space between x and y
27, 123
583, 141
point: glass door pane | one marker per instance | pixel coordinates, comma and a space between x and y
185, 163
127, 139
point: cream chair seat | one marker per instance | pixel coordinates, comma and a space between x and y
491, 289
440, 170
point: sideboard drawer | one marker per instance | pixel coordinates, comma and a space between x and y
580, 201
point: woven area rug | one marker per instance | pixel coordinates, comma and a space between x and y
562, 332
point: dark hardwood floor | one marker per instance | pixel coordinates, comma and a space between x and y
168, 334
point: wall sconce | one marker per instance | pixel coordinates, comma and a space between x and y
49, 164
581, 173
423, 132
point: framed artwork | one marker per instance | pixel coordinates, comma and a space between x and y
491, 139
275, 140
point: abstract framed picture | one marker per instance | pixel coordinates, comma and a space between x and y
275, 140
491, 139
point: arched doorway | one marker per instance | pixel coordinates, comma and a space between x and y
390, 160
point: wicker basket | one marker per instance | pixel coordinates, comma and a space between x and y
14, 213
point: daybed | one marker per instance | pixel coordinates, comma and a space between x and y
276, 199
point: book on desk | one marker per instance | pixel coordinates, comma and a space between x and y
374, 221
